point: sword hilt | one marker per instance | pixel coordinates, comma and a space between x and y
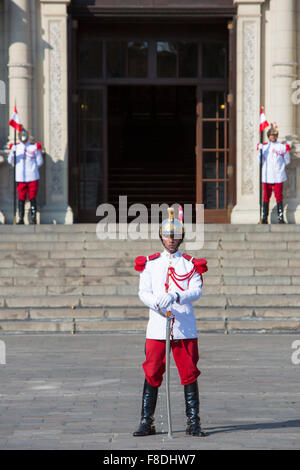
170, 315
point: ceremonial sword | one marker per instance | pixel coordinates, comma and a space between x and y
169, 317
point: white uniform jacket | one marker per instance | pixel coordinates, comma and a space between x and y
275, 157
28, 159
152, 284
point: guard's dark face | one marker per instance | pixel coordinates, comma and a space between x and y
273, 137
24, 135
171, 244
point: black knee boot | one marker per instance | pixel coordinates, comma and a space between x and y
33, 211
265, 212
192, 404
280, 212
21, 207
146, 427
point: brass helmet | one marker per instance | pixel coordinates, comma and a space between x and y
23, 135
172, 227
273, 130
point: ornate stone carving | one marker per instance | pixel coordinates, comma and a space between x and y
55, 92
248, 129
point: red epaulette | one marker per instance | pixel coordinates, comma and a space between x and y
288, 148
199, 263
140, 261
11, 145
39, 145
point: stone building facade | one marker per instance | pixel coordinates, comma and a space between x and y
37, 73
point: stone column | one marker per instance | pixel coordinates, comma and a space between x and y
284, 64
53, 54
19, 62
248, 107
20, 72
283, 50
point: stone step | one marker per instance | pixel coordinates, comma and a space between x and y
92, 227
130, 301
236, 290
96, 326
34, 260
264, 300
90, 240
84, 277
119, 313
100, 301
117, 248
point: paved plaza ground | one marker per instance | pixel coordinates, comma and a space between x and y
84, 392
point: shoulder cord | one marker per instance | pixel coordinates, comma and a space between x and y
179, 277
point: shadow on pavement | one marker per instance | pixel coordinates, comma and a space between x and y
253, 427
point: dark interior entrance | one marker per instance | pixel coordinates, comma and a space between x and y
151, 144
152, 115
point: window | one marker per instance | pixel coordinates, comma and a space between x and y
214, 57
127, 59
177, 59
90, 58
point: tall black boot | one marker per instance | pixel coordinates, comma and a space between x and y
33, 211
21, 207
280, 212
265, 212
146, 427
192, 404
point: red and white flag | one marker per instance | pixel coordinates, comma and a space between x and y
263, 123
15, 121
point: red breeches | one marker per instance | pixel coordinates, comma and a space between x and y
268, 187
30, 188
186, 356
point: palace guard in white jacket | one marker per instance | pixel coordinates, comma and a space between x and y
28, 160
170, 281
275, 158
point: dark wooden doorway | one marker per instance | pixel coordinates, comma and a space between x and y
152, 117
151, 141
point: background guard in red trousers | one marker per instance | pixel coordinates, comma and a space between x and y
275, 158
28, 160
170, 281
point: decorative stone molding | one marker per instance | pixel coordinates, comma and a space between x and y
55, 111
55, 99
248, 107
249, 131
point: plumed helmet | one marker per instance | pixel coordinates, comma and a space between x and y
273, 129
172, 227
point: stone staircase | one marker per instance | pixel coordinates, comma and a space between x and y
61, 278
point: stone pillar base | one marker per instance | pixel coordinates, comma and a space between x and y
56, 214
291, 211
244, 215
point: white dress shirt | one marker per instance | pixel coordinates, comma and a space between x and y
152, 284
275, 157
28, 159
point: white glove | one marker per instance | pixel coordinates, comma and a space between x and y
164, 300
260, 146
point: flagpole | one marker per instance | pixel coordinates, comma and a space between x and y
15, 161
15, 123
263, 123
260, 179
